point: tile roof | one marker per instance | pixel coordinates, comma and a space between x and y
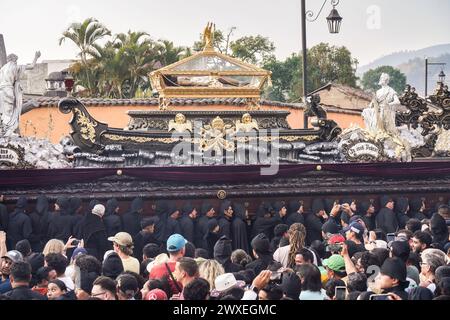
44, 101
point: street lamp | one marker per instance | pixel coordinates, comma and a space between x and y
334, 24
441, 74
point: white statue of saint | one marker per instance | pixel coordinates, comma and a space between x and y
380, 116
11, 94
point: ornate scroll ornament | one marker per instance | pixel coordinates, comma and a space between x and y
253, 104
180, 124
416, 108
87, 126
13, 157
163, 103
246, 124
358, 145
214, 137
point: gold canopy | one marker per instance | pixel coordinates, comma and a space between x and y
209, 74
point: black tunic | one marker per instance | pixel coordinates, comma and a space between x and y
19, 226
131, 221
112, 221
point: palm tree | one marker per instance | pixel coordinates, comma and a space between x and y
169, 53
85, 35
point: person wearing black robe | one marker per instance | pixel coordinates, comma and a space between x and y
280, 237
212, 236
416, 207
3, 215
160, 226
19, 226
94, 233
172, 223
222, 254
77, 227
226, 215
439, 230
314, 222
295, 213
131, 221
207, 213
60, 221
111, 219
145, 236
188, 221
39, 223
366, 210
261, 251
76, 205
239, 229
386, 218
401, 209
267, 217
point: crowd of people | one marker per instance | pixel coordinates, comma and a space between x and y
342, 249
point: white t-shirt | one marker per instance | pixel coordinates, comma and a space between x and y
68, 282
281, 255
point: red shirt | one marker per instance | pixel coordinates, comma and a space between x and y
160, 271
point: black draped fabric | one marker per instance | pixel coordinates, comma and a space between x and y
239, 229
111, 219
225, 221
39, 224
415, 206
201, 227
265, 222
439, 229
140, 240
401, 210
94, 235
3, 218
293, 216
172, 224
161, 213
131, 221
75, 205
211, 236
368, 219
386, 220
187, 223
19, 226
313, 223
260, 264
222, 254
60, 226
78, 225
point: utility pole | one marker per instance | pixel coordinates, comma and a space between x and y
2, 51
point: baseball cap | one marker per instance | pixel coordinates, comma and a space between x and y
176, 242
227, 281
156, 294
356, 227
122, 238
14, 255
336, 238
335, 263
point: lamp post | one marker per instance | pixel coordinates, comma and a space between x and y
441, 74
334, 24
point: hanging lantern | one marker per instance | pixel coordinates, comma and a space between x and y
334, 21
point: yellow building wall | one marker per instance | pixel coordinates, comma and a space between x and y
50, 123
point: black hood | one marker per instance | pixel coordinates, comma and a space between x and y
212, 224
111, 206
188, 207
64, 205
362, 207
137, 204
41, 205
21, 203
263, 209
293, 206
74, 203
223, 250
439, 229
91, 205
384, 199
317, 205
328, 203
415, 204
401, 205
206, 206
239, 210
277, 206
161, 207
223, 206
171, 208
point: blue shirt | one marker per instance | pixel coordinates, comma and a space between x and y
5, 286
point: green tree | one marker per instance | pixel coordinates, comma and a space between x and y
371, 77
325, 64
168, 53
253, 49
85, 36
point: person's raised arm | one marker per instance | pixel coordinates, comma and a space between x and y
3, 248
349, 266
33, 64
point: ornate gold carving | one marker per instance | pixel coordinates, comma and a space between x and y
180, 124
214, 136
246, 124
208, 37
87, 126
116, 137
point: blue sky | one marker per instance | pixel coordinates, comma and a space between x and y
370, 29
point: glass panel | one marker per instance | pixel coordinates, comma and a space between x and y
216, 82
208, 63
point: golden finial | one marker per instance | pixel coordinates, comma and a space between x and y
208, 37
